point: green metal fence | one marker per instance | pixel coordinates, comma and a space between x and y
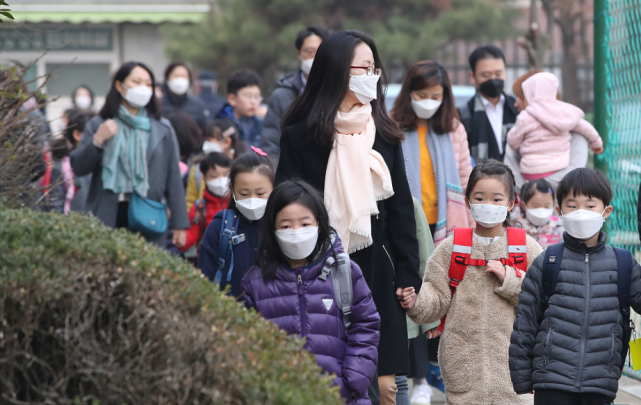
618, 117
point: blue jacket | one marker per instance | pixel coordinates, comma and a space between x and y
250, 127
244, 253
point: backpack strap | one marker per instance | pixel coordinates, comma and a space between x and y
198, 176
551, 268
624, 278
341, 271
228, 239
517, 250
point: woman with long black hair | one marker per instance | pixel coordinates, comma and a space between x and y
338, 137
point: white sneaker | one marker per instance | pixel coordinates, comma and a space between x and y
421, 395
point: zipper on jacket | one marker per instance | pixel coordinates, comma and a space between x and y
547, 346
611, 354
390, 258
301, 304
586, 312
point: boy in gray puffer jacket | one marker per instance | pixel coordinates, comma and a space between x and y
569, 351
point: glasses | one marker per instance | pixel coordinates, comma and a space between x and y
251, 97
369, 70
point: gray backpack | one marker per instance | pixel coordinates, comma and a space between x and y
341, 271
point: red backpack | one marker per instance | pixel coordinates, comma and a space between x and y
462, 252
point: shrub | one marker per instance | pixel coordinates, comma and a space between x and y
92, 314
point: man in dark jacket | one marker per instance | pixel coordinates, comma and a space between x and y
208, 86
569, 351
289, 87
491, 113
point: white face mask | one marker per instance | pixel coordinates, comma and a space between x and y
364, 87
218, 187
297, 244
252, 208
82, 102
583, 224
138, 96
488, 215
539, 216
426, 108
179, 85
209, 147
306, 65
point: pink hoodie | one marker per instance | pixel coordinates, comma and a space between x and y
542, 132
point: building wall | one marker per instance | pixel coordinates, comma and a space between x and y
143, 43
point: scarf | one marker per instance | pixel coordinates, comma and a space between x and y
452, 212
356, 178
124, 160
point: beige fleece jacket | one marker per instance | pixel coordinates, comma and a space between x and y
473, 352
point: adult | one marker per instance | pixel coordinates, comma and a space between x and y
82, 98
490, 113
208, 92
130, 149
337, 136
178, 79
579, 145
289, 87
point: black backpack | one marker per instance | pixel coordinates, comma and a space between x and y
552, 265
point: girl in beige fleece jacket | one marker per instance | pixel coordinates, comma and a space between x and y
473, 353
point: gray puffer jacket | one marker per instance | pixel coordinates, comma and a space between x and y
577, 345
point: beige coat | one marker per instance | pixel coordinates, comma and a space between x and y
473, 352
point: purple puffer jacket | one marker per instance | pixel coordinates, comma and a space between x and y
308, 309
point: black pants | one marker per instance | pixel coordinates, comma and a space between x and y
558, 397
122, 215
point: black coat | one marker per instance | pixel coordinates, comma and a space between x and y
191, 105
639, 212
577, 345
392, 261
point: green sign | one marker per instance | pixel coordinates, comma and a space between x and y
61, 39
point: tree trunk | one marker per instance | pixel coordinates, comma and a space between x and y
569, 72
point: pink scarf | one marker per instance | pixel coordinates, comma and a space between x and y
357, 177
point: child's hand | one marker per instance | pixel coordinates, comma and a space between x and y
494, 266
433, 333
407, 296
597, 151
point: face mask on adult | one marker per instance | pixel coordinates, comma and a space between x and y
218, 187
539, 216
209, 147
138, 96
82, 102
364, 87
583, 224
306, 65
426, 108
179, 85
488, 215
492, 88
252, 208
297, 244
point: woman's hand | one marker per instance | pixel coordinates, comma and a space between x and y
433, 333
598, 151
494, 266
180, 238
105, 132
407, 296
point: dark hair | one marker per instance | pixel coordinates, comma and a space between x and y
114, 98
493, 169
326, 87
82, 86
290, 192
76, 121
242, 78
485, 52
220, 129
188, 133
586, 182
248, 163
420, 76
214, 159
530, 188
174, 65
308, 32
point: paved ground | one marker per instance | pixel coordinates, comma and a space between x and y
629, 393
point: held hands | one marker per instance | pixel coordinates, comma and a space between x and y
105, 132
180, 238
407, 296
597, 151
495, 266
433, 333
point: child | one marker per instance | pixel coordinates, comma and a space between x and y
476, 335
244, 98
542, 131
537, 202
568, 348
290, 286
215, 171
233, 237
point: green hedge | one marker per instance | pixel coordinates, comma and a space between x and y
88, 313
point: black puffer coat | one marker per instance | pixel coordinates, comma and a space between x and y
577, 346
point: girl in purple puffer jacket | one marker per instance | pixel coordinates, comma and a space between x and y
285, 287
